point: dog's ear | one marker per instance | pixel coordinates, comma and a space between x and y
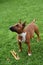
34, 20
20, 21
24, 24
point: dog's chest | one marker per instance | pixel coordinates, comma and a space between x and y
23, 37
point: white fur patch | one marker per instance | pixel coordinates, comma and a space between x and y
20, 40
23, 36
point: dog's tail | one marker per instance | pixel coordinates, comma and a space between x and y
34, 20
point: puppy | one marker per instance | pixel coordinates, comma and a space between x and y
25, 33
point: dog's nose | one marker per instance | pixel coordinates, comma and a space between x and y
10, 28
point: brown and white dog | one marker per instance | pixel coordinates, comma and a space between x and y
25, 33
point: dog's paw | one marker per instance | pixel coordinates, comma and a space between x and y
29, 54
20, 50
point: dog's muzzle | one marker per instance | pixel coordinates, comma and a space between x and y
12, 29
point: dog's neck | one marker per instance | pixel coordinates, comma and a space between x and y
23, 35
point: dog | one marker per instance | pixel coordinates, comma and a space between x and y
25, 33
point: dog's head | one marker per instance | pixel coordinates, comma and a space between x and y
18, 28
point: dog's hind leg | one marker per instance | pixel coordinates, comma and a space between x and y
37, 33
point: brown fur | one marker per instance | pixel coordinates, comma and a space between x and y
29, 29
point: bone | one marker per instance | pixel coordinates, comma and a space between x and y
14, 54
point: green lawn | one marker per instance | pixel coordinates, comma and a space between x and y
10, 13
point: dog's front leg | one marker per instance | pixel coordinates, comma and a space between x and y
20, 46
19, 43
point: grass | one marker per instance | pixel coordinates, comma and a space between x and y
10, 13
